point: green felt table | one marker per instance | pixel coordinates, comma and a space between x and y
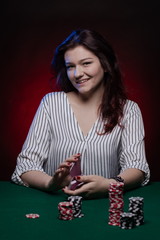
16, 201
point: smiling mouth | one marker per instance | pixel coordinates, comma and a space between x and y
81, 81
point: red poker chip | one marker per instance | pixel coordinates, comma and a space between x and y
116, 190
119, 198
115, 194
66, 218
65, 210
114, 220
115, 217
114, 223
115, 213
32, 215
116, 205
65, 204
118, 184
112, 198
116, 200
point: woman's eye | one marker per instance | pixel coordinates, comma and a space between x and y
86, 63
69, 67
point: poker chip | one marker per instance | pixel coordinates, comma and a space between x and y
135, 216
116, 203
127, 220
65, 210
136, 207
71, 209
77, 206
32, 215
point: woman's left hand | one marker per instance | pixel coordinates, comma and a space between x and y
94, 187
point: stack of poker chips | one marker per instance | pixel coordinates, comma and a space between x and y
65, 210
127, 220
135, 216
136, 207
116, 203
77, 203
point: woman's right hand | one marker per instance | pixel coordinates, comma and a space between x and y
62, 177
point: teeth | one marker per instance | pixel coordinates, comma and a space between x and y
82, 81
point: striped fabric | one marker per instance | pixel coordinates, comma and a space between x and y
55, 135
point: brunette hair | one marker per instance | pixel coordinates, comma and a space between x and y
114, 97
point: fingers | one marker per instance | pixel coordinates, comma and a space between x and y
59, 170
78, 189
82, 191
65, 165
60, 179
68, 162
85, 179
87, 191
62, 175
73, 158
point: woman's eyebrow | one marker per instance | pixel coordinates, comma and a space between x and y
81, 60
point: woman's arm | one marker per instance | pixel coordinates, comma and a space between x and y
36, 179
43, 181
132, 156
132, 177
97, 186
35, 148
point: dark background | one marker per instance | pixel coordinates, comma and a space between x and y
30, 31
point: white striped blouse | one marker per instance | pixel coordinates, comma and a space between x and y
55, 135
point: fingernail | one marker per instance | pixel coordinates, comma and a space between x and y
75, 158
68, 163
78, 177
78, 154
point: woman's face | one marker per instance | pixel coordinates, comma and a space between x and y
84, 70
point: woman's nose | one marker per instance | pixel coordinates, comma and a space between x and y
78, 72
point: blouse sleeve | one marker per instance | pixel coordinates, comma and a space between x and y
35, 149
132, 145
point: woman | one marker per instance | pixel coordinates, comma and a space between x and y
91, 119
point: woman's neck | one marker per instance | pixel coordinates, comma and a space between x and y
94, 98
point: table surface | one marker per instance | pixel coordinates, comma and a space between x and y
16, 201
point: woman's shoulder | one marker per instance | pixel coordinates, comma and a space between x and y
130, 103
53, 96
131, 106
52, 99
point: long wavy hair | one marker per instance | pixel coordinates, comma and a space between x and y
114, 96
